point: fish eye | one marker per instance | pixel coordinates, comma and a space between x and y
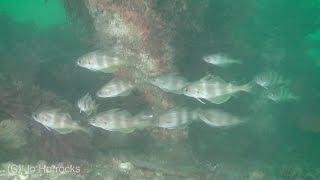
35, 116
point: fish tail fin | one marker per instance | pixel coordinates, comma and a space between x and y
128, 131
238, 62
87, 131
95, 109
247, 87
295, 98
196, 114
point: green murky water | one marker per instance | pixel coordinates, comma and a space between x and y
40, 42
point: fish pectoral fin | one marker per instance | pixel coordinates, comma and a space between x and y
205, 120
211, 77
220, 99
127, 131
107, 70
173, 91
218, 79
207, 77
223, 65
86, 130
114, 110
63, 131
49, 129
200, 101
126, 93
57, 110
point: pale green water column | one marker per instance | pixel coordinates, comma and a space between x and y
43, 13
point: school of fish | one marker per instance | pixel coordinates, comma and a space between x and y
208, 89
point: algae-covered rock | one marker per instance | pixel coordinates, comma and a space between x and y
12, 133
38, 171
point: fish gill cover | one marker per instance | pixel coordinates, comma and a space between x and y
159, 89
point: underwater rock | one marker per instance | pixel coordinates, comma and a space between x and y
129, 26
12, 134
39, 171
156, 165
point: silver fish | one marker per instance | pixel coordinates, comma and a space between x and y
281, 94
116, 87
87, 105
100, 61
213, 89
270, 79
177, 118
145, 115
119, 120
57, 120
218, 118
220, 60
170, 83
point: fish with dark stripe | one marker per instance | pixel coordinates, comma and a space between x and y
213, 89
122, 121
177, 118
281, 94
100, 61
270, 79
171, 82
218, 118
220, 60
116, 87
57, 120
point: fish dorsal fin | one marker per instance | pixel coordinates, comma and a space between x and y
200, 100
218, 79
52, 110
107, 70
119, 111
125, 113
68, 115
47, 127
95, 110
87, 95
125, 93
116, 110
127, 131
115, 79
144, 115
63, 130
84, 130
207, 77
213, 78
100, 52
175, 92
106, 113
220, 99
